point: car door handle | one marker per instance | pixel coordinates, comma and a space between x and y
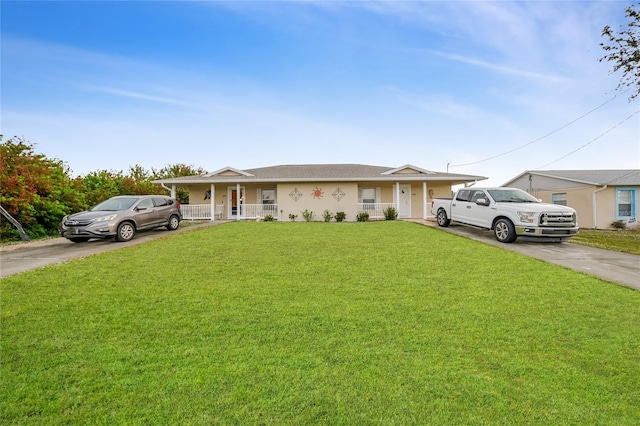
468, 207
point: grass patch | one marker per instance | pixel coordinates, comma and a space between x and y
627, 241
296, 323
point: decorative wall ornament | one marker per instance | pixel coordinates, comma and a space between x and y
295, 194
338, 194
317, 193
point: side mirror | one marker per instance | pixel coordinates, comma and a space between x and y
141, 208
483, 201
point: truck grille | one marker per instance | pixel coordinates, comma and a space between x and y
558, 219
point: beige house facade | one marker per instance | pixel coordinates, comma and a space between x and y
600, 197
281, 191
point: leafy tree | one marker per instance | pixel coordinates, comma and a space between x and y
36, 191
624, 51
178, 170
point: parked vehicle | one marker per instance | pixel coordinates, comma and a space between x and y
509, 212
121, 217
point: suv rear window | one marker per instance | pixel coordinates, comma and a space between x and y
161, 201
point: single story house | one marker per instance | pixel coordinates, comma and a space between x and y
600, 197
280, 191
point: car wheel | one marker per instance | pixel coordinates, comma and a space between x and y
79, 240
174, 222
504, 231
442, 218
125, 232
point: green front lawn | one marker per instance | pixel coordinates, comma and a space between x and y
627, 240
317, 323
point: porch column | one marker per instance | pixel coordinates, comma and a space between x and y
398, 198
173, 191
238, 201
424, 200
213, 202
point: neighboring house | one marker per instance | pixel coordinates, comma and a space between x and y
281, 191
600, 197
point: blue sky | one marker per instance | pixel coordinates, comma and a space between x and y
108, 85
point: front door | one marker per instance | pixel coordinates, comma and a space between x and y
404, 210
236, 202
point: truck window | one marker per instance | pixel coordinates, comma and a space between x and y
463, 195
477, 195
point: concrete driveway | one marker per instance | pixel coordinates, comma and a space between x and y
613, 266
25, 256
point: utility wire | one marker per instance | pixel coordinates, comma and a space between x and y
542, 137
588, 143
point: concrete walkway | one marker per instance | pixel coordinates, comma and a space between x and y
613, 266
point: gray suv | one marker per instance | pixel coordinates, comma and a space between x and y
121, 217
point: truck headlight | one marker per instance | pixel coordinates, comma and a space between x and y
526, 217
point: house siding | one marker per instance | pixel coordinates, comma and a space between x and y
579, 197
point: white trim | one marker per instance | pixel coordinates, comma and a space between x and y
228, 169
408, 166
213, 202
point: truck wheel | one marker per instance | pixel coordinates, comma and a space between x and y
442, 218
504, 231
125, 232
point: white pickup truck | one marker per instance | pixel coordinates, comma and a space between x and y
509, 212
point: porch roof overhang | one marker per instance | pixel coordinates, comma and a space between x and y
322, 173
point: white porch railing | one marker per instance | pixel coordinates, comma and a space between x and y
375, 210
247, 211
200, 211
258, 211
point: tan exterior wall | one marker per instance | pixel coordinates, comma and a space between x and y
317, 199
347, 203
581, 199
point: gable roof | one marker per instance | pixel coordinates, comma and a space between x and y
322, 172
590, 177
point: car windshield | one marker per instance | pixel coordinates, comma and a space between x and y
512, 196
115, 204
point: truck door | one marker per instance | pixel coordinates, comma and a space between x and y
480, 214
459, 206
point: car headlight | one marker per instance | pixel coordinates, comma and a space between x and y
104, 218
526, 217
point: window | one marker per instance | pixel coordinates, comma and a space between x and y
463, 195
145, 204
162, 201
625, 203
477, 195
559, 198
268, 200
268, 196
368, 195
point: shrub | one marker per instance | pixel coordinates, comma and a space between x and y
327, 216
619, 224
292, 217
340, 216
307, 215
268, 218
362, 217
390, 213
